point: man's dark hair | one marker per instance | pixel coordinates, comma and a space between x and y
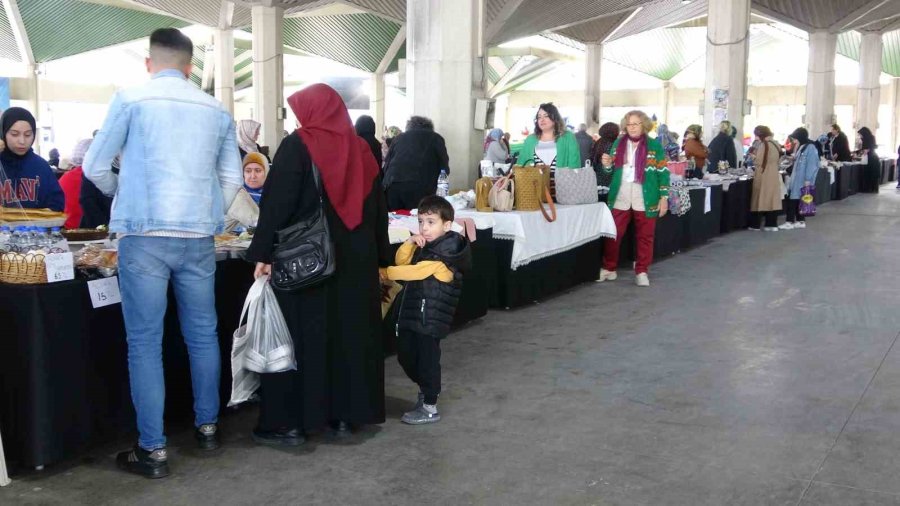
419, 123
433, 204
165, 43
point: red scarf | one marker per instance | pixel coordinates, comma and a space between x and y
640, 155
345, 160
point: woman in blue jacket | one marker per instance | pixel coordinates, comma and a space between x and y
29, 179
806, 168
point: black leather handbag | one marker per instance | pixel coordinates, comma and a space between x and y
304, 253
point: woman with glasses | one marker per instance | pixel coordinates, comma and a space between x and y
550, 144
639, 192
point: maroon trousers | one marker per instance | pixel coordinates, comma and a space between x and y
644, 231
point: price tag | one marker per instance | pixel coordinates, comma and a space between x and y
60, 267
104, 292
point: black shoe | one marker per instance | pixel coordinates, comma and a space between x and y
139, 461
281, 437
207, 436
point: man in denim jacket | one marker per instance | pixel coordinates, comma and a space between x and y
179, 172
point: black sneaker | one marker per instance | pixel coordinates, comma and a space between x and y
281, 437
207, 436
139, 461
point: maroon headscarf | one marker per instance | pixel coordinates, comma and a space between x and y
345, 160
640, 155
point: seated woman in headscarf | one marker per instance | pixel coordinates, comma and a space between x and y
70, 183
255, 169
365, 128
693, 148
29, 181
247, 135
494, 149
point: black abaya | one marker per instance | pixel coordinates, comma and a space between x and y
871, 177
335, 325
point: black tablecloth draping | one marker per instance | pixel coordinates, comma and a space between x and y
61, 391
676, 233
736, 206
855, 172
544, 277
478, 285
842, 179
823, 187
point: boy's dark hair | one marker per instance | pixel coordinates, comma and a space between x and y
433, 204
173, 40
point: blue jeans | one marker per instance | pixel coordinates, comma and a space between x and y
146, 264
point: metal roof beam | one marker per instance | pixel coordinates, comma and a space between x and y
369, 10
847, 22
537, 69
891, 27
531, 51
392, 50
621, 25
19, 32
508, 76
765, 12
616, 12
503, 16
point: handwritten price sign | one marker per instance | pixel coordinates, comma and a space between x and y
60, 267
105, 292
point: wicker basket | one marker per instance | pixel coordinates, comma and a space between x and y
22, 269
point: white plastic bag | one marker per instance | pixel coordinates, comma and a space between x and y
262, 345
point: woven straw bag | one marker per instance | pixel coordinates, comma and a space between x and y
483, 194
531, 189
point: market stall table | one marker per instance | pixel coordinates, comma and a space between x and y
887, 170
823, 186
536, 258
63, 366
736, 205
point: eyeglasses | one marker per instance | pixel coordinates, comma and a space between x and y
633, 124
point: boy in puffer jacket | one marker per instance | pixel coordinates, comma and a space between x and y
431, 265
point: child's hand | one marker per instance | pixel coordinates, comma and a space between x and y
418, 240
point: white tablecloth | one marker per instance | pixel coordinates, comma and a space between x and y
534, 238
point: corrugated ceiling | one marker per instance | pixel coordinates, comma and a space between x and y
59, 28
357, 40
665, 13
849, 42
595, 31
8, 47
536, 16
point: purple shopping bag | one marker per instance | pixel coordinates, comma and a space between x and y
807, 202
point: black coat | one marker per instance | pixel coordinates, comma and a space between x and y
428, 306
722, 148
335, 325
95, 205
840, 148
416, 156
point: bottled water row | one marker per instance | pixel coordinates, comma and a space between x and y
25, 239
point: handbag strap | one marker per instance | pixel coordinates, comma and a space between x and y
551, 217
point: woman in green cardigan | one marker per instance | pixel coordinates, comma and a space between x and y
550, 144
639, 191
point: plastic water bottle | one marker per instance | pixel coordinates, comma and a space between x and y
15, 240
5, 237
443, 185
35, 242
57, 240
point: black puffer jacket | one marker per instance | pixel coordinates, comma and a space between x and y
428, 306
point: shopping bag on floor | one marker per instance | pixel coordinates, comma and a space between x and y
807, 200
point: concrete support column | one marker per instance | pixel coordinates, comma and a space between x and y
223, 44
592, 61
34, 101
268, 73
895, 111
869, 91
378, 102
727, 46
444, 47
667, 101
820, 88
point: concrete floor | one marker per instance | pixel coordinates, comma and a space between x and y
759, 369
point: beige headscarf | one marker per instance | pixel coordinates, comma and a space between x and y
247, 129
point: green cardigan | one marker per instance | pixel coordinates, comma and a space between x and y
568, 155
656, 177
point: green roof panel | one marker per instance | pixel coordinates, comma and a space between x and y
8, 47
357, 40
60, 28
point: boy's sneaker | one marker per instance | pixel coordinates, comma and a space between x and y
421, 416
207, 436
420, 401
139, 461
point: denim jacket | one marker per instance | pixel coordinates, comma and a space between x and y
180, 167
806, 168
